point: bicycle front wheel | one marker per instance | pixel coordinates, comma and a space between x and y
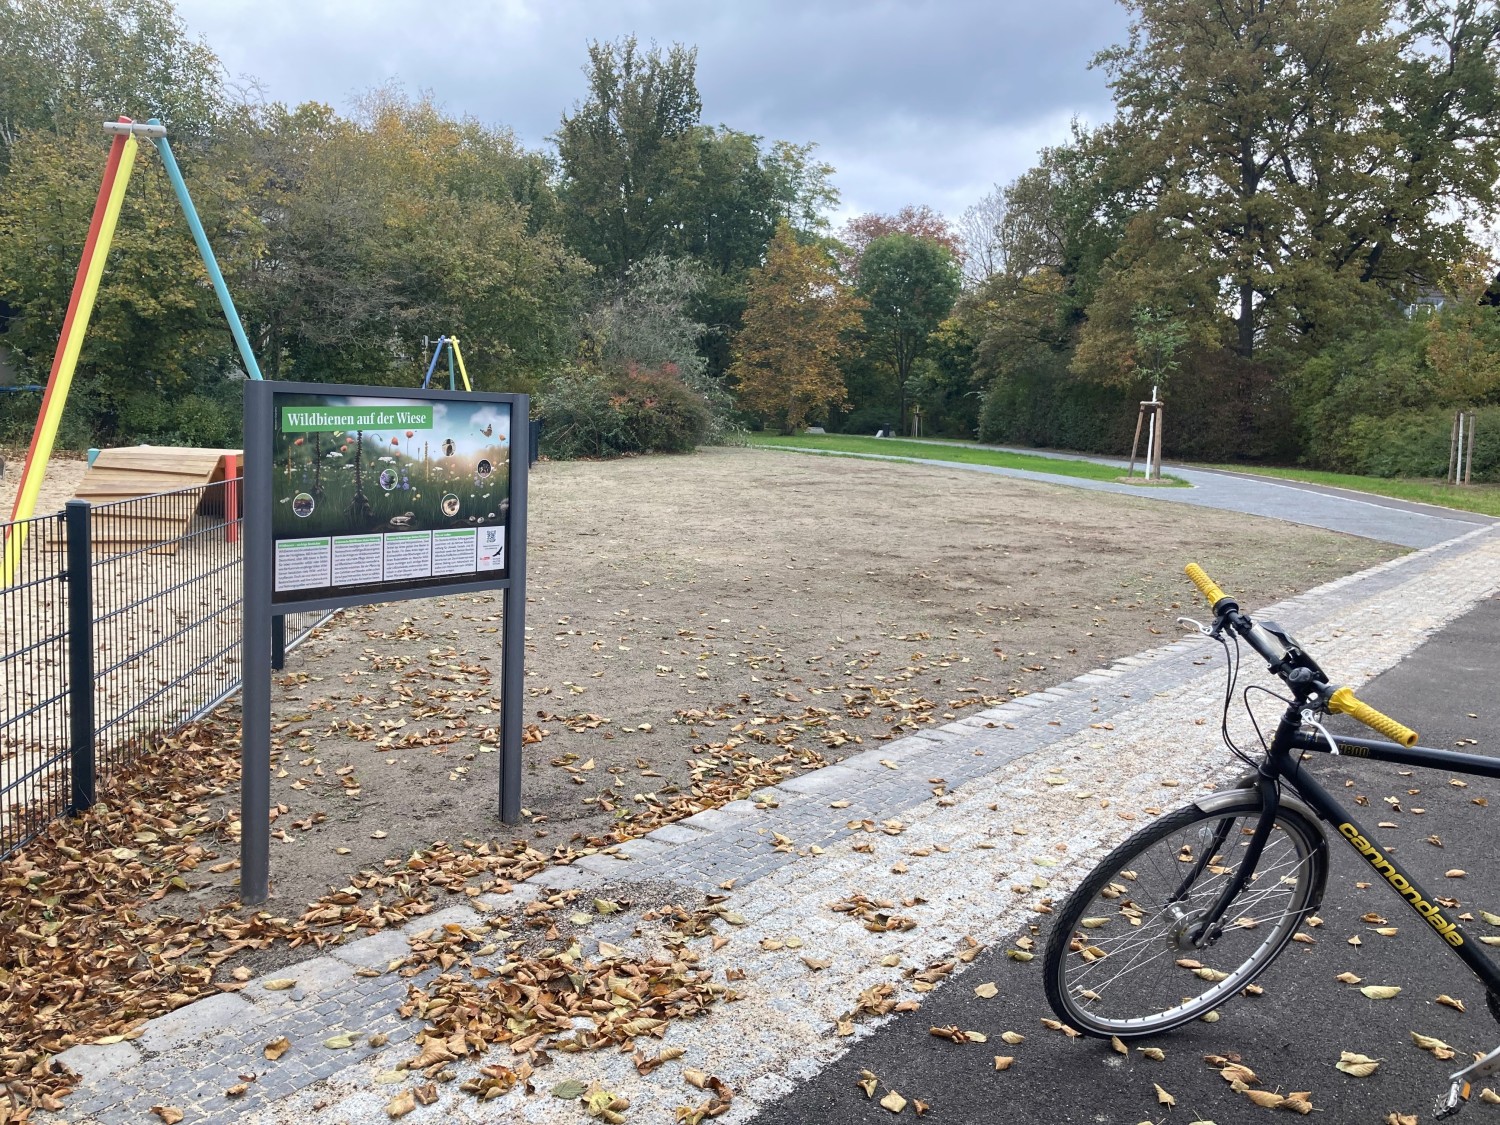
1122, 959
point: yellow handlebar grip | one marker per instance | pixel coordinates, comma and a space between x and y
1342, 702
1206, 584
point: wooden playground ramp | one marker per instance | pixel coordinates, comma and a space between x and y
158, 472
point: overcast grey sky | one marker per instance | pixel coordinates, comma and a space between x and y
924, 102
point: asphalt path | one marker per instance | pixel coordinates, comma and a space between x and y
1290, 1036
1337, 509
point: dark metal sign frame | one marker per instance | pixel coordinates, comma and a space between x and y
263, 602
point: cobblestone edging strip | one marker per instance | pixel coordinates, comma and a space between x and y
1068, 772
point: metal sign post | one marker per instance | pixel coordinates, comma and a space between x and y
356, 495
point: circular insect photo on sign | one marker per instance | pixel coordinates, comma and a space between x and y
388, 480
484, 468
450, 505
449, 448
303, 505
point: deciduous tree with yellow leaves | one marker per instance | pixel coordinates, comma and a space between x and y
796, 319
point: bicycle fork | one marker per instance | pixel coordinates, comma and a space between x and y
1211, 927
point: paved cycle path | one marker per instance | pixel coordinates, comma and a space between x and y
966, 830
1372, 517
1292, 1035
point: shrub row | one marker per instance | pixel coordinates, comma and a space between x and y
1416, 443
1227, 412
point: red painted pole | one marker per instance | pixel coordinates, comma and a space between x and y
106, 186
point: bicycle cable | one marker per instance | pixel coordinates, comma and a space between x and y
1232, 676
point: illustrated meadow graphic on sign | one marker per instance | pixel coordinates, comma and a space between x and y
373, 491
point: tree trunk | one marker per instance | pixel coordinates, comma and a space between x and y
1246, 343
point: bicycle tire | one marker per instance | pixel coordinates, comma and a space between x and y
1125, 910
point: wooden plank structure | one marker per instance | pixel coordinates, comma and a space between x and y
151, 471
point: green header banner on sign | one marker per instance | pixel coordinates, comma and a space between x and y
329, 419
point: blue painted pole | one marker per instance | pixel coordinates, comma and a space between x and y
431, 367
174, 173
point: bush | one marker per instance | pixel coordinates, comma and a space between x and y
1227, 411
867, 419
589, 413
1415, 443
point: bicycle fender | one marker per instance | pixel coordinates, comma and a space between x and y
1215, 802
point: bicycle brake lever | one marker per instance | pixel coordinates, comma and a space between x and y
1198, 626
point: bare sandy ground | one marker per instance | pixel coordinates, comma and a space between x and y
63, 474
722, 618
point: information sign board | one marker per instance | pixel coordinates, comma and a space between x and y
370, 494
374, 493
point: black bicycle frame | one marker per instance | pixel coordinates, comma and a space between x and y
1284, 761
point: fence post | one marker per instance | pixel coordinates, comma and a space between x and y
278, 641
80, 655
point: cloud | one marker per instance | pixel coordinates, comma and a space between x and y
912, 102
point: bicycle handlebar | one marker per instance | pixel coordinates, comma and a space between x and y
1340, 702
1205, 584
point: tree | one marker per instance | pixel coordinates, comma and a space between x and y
63, 61
629, 153
1463, 341
981, 234
908, 285
918, 221
786, 354
1297, 151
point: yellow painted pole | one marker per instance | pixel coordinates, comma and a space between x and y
462, 370
91, 270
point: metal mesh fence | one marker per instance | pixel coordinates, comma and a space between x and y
140, 634
33, 680
166, 584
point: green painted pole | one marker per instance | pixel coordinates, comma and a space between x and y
179, 185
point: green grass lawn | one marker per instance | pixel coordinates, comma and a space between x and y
1482, 498
946, 451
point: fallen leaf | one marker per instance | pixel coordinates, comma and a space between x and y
1380, 991
1119, 1045
868, 1082
1156, 1054
1012, 1037
1450, 1002
1439, 1049
281, 984
1348, 978
1003, 1062
277, 1047
402, 1104
1360, 1066
1163, 1097
339, 1042
987, 991
569, 1089
893, 1101
168, 1113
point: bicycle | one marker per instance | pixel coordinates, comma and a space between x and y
1202, 900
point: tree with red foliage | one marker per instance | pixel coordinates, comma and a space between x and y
918, 221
